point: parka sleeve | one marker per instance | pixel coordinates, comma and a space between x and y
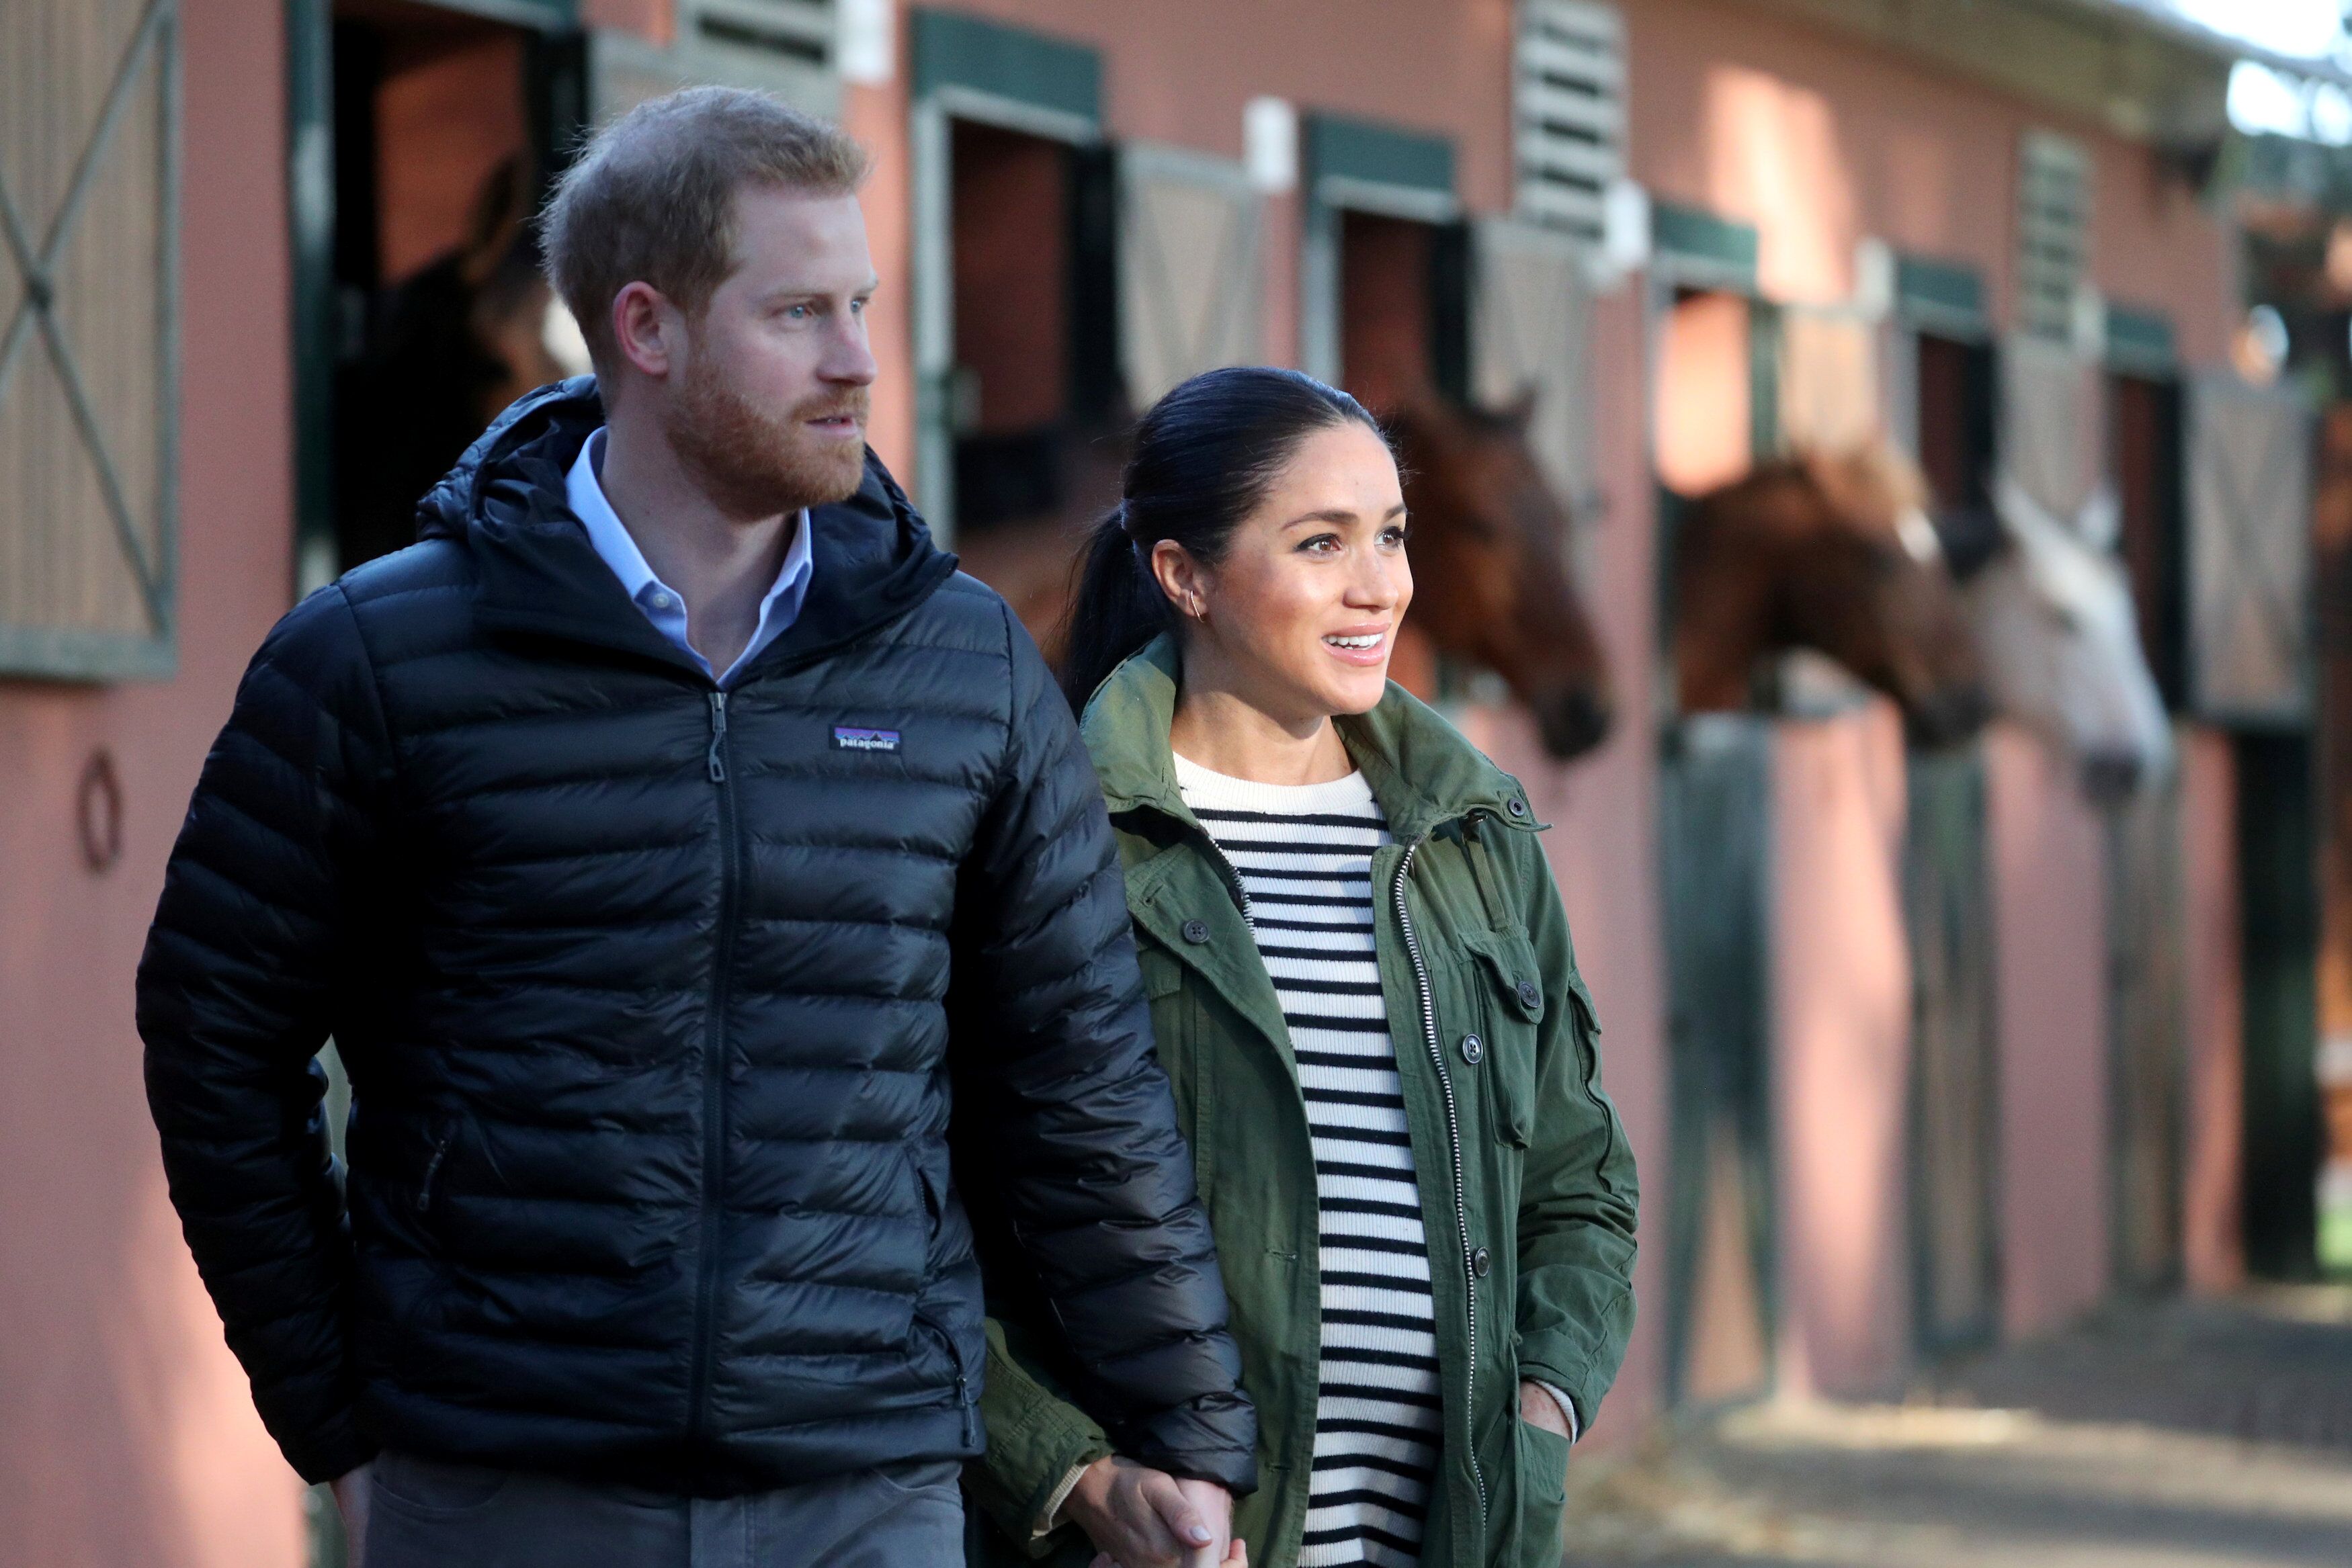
1577, 1193
233, 998
1058, 1086
1037, 1436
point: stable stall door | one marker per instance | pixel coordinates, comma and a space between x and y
1715, 811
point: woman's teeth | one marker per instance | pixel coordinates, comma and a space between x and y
1369, 641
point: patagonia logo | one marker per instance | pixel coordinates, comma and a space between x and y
849, 738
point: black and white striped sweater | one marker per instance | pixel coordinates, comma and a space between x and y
1304, 855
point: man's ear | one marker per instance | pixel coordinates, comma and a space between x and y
646, 328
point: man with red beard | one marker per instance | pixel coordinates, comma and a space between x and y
682, 856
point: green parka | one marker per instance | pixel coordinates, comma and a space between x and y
1527, 1183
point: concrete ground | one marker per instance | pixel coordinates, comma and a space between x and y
2185, 1435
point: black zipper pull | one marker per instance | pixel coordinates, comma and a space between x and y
717, 734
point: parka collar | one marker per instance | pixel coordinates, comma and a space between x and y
1420, 770
507, 504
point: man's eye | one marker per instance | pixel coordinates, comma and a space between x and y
857, 306
798, 312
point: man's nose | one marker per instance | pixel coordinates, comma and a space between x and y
849, 359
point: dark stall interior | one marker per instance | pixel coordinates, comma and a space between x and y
447, 128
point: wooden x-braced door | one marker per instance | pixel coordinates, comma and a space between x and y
89, 271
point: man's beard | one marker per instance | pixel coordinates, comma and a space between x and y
753, 464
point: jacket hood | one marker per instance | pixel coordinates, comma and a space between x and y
506, 503
1423, 770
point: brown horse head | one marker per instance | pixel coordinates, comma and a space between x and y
1832, 552
1489, 565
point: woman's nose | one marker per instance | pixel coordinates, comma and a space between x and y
1374, 584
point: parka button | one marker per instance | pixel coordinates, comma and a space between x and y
1196, 931
1481, 1263
1530, 994
1516, 807
1473, 1049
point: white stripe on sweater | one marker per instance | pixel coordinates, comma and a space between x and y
1304, 855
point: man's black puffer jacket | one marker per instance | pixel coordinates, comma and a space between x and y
645, 995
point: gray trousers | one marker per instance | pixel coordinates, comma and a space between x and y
426, 1514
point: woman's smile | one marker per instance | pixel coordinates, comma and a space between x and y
1364, 646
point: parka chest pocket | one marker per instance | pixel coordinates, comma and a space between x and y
1174, 1037
1509, 996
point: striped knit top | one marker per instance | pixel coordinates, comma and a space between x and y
1304, 856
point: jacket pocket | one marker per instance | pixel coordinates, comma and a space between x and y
1511, 999
1542, 1476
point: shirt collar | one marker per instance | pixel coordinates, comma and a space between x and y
661, 603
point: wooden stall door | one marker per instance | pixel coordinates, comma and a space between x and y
1955, 1081
2147, 1047
2278, 895
2147, 939
1714, 814
1715, 808
1948, 913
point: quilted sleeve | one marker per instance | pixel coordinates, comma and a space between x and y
1067, 1095
233, 1005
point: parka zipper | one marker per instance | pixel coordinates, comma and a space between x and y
1454, 1135
714, 1076
1233, 880
432, 1169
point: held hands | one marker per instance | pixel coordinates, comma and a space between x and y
1137, 1517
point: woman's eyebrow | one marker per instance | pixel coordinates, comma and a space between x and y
1338, 515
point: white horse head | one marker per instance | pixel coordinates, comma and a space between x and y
2053, 613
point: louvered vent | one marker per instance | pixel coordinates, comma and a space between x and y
2054, 221
784, 46
1569, 105
794, 33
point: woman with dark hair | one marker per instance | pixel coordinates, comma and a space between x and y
1368, 1006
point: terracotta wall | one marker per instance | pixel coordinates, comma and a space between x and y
1819, 140
126, 1433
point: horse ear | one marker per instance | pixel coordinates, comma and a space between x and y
495, 222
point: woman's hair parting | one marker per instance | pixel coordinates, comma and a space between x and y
1205, 457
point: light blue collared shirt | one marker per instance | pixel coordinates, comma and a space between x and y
662, 604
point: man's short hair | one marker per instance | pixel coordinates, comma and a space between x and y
651, 197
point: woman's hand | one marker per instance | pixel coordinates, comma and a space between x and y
1137, 1517
1539, 1408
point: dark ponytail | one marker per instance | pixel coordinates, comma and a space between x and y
1204, 457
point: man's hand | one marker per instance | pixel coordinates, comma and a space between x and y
1137, 1517
351, 1489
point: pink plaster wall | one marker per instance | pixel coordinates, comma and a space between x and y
1841, 1051
2049, 891
126, 1433
1181, 73
2213, 1251
1820, 138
